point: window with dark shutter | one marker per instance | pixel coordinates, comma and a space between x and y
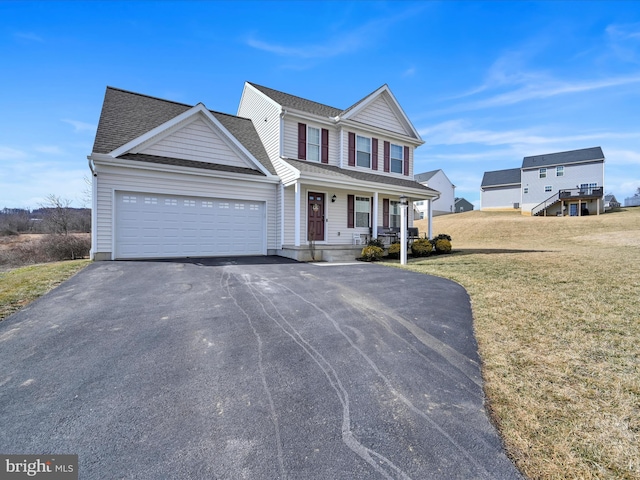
352, 149
385, 212
350, 210
302, 141
374, 154
325, 146
387, 149
406, 161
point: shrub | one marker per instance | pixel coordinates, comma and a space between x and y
443, 246
421, 247
371, 253
65, 247
375, 242
394, 250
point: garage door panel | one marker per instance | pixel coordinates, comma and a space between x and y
156, 226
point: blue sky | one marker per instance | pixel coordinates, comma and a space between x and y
485, 83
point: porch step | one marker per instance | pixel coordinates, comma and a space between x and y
321, 253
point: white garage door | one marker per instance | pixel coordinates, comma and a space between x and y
156, 226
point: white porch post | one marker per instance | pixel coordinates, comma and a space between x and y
374, 220
430, 218
403, 230
281, 206
296, 215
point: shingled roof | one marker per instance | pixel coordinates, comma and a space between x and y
127, 115
511, 176
291, 101
564, 158
337, 172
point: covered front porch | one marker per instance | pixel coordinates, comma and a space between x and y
332, 221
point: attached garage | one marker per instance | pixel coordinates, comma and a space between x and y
168, 226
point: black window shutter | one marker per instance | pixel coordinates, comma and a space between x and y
406, 160
302, 141
352, 149
350, 210
374, 154
387, 154
324, 157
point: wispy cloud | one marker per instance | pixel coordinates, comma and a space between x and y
49, 149
624, 41
30, 36
459, 132
80, 126
8, 153
347, 42
409, 72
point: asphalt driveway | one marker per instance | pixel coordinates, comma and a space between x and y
256, 368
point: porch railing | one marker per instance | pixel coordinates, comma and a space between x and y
568, 194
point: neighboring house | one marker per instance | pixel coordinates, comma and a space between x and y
633, 201
175, 180
563, 183
500, 190
610, 202
437, 180
462, 205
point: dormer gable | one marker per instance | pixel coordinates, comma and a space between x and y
381, 109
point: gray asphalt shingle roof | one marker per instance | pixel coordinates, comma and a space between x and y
425, 176
291, 101
563, 158
127, 115
140, 157
337, 172
511, 176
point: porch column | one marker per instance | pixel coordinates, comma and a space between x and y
579, 207
430, 218
374, 220
282, 193
296, 215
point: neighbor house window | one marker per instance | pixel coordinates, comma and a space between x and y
394, 214
543, 173
363, 151
397, 158
362, 211
560, 171
526, 190
547, 188
313, 144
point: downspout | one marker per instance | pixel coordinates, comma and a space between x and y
94, 204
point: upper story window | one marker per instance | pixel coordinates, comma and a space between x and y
547, 188
397, 158
363, 151
560, 171
313, 144
543, 173
526, 190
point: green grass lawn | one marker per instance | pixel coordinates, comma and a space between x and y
556, 305
21, 286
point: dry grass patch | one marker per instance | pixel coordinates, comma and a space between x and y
555, 303
21, 286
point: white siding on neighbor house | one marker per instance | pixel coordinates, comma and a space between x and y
200, 142
445, 204
266, 119
379, 114
574, 176
113, 178
499, 197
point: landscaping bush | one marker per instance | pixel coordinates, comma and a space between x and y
394, 250
371, 253
375, 242
443, 246
421, 247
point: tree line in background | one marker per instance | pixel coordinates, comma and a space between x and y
55, 216
66, 233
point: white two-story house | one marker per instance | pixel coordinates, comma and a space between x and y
285, 176
562, 183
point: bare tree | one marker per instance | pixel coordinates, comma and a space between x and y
58, 214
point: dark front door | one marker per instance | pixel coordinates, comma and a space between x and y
315, 216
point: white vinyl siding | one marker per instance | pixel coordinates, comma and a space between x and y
266, 119
290, 149
200, 142
112, 179
379, 114
500, 198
